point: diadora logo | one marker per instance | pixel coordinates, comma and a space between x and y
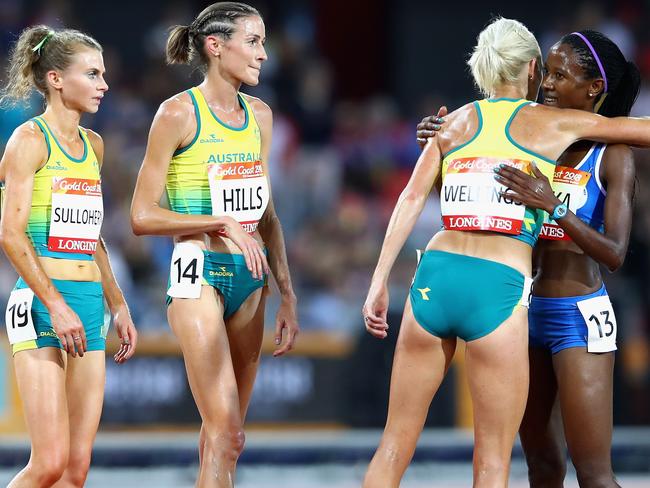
222, 272
57, 166
210, 140
257, 133
424, 292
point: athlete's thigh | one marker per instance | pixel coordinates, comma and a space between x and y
199, 327
245, 333
40, 374
497, 372
541, 428
419, 366
85, 379
585, 383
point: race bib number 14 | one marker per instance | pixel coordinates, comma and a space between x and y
186, 271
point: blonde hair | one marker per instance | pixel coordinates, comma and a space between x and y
40, 49
502, 50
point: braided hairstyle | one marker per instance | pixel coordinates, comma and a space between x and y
186, 42
621, 76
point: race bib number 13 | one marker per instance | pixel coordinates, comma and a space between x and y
601, 323
18, 316
186, 271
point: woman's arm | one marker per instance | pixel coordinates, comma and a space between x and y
582, 125
25, 153
406, 212
114, 297
171, 127
618, 171
271, 231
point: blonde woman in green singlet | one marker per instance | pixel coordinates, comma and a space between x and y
208, 148
50, 231
473, 282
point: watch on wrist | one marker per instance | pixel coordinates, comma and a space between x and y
560, 211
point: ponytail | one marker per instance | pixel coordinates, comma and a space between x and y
38, 50
23, 56
178, 45
185, 43
620, 100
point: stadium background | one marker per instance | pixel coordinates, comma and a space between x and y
347, 81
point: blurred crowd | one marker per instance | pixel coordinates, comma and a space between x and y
337, 165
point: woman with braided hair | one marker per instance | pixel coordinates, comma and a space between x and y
571, 321
473, 282
208, 147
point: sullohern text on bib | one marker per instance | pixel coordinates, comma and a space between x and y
77, 215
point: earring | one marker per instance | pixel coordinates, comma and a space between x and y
591, 95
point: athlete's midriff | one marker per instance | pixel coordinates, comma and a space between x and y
485, 245
564, 270
216, 243
70, 269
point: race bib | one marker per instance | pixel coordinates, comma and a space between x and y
239, 190
77, 215
186, 271
471, 199
601, 323
18, 316
570, 187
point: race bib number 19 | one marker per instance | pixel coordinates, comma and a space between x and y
18, 316
186, 271
601, 323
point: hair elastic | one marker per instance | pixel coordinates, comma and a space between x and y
593, 51
40, 45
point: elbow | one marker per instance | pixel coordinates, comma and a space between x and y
412, 196
7, 236
3, 238
138, 223
615, 262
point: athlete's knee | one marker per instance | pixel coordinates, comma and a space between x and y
546, 470
77, 470
395, 450
546, 473
228, 442
594, 474
490, 468
47, 470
